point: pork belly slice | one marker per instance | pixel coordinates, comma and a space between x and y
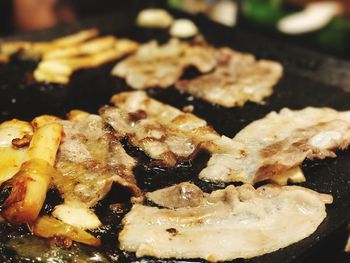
274, 147
90, 159
165, 133
160, 66
238, 78
237, 222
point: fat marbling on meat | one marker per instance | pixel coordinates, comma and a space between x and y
238, 78
160, 66
165, 133
90, 159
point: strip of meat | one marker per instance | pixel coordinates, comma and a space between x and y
161, 66
270, 147
165, 133
90, 159
237, 79
237, 222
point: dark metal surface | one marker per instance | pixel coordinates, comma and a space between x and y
310, 79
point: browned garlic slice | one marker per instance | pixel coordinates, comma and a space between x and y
154, 17
183, 28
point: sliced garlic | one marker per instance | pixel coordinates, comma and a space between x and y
314, 17
154, 18
183, 28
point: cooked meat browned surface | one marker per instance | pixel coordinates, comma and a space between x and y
90, 160
165, 133
155, 65
270, 147
238, 78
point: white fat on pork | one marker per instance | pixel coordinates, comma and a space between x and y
90, 159
165, 133
273, 147
237, 79
237, 222
160, 66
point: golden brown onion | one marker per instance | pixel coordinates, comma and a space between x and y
49, 227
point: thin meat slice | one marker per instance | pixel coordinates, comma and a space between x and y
238, 78
237, 222
177, 196
90, 159
165, 133
160, 66
272, 147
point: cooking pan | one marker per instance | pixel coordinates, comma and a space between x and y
310, 79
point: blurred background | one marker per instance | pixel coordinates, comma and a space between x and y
316, 24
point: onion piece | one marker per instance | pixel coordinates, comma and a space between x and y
29, 187
49, 227
154, 17
30, 184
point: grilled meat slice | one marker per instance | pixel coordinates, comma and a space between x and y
237, 222
238, 78
90, 160
271, 147
165, 133
161, 66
